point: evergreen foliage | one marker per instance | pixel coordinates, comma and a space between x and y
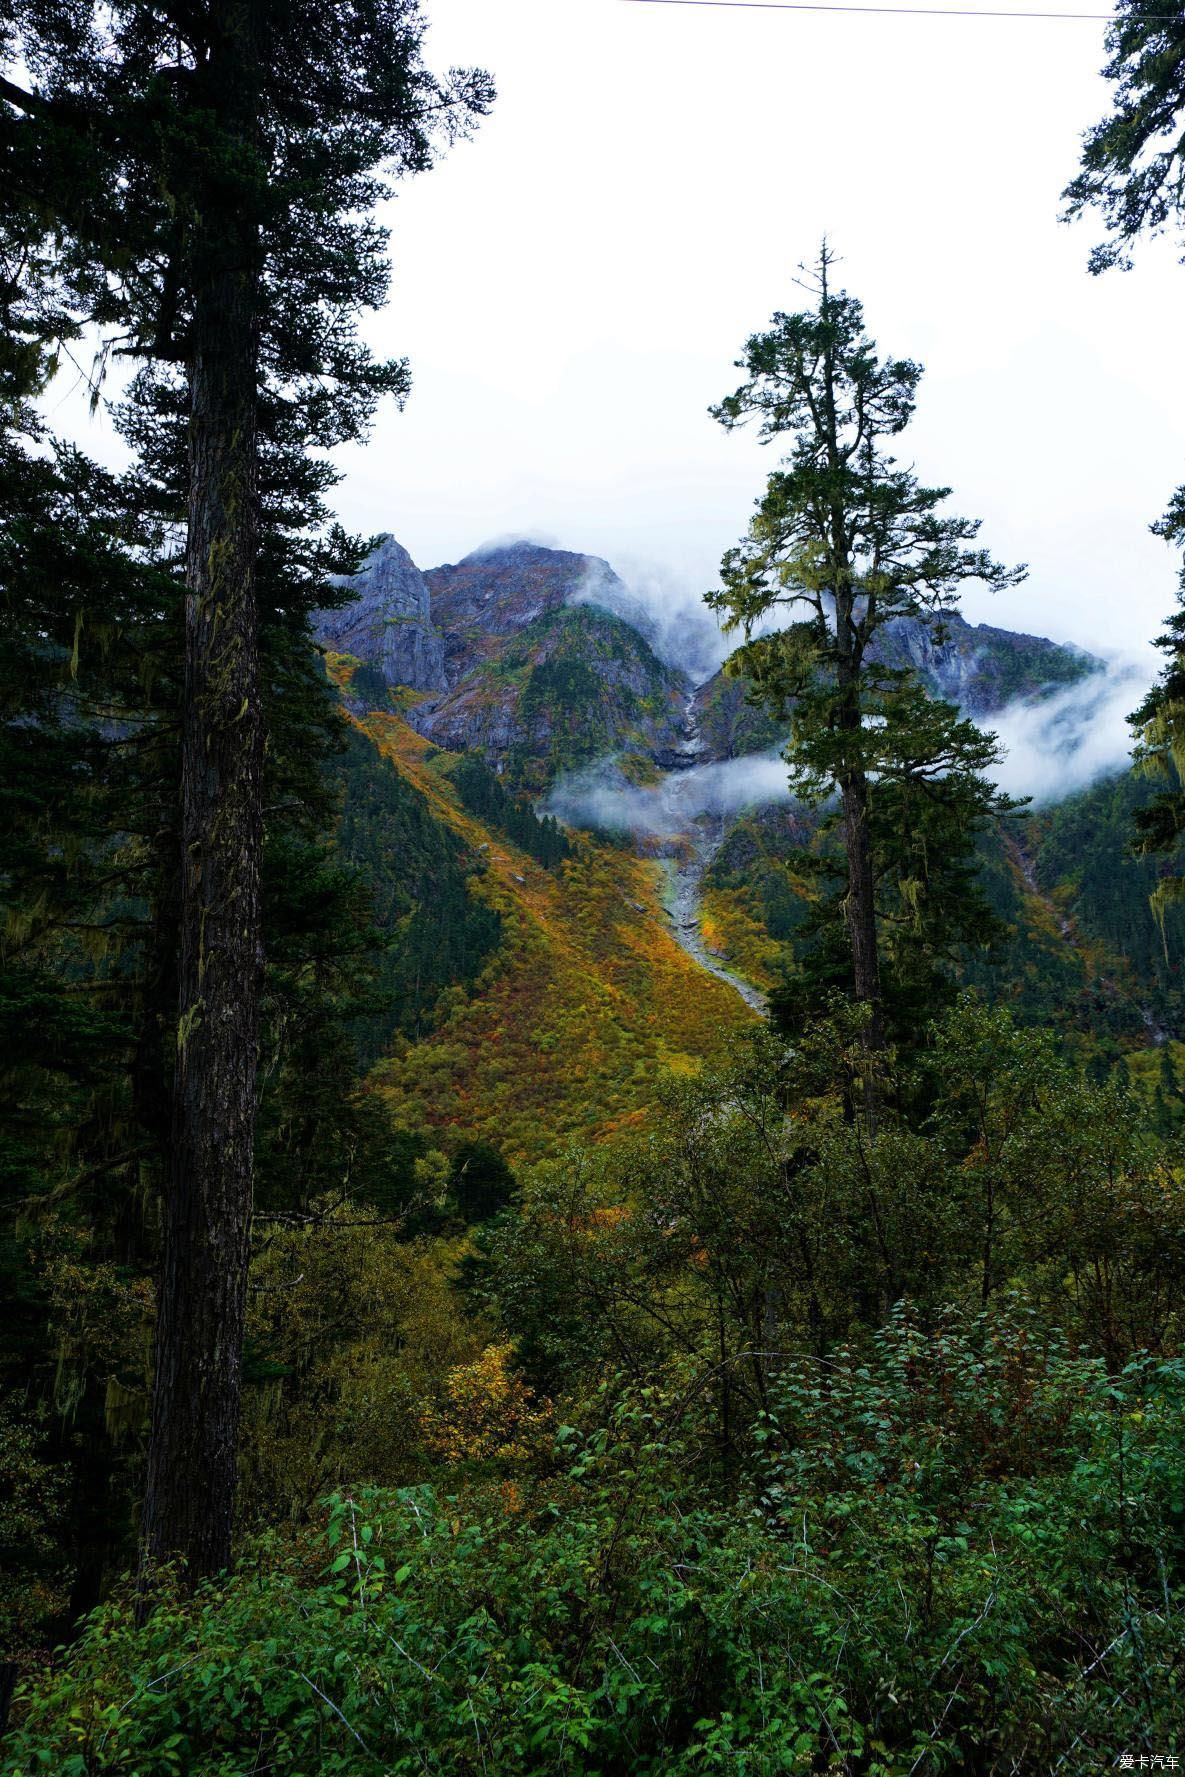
1133, 172
928, 809
1083, 845
1159, 724
437, 934
206, 182
88, 749
1133, 162
367, 681
847, 542
542, 838
481, 1184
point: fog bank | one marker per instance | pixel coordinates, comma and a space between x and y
1056, 745
599, 797
1052, 747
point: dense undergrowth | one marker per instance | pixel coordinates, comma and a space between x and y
746, 1442
958, 1548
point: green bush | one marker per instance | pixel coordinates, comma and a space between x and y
964, 1552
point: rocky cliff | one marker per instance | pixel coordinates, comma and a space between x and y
976, 666
515, 660
979, 667
389, 624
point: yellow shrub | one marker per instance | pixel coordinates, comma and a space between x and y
487, 1414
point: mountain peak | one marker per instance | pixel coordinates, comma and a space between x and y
518, 552
542, 657
389, 623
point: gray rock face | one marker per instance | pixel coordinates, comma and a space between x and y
977, 666
390, 622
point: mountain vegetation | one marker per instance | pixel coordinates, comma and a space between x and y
587, 997
1073, 942
202, 182
417, 875
1132, 172
448, 1328
482, 793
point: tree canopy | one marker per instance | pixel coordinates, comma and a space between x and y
1133, 161
1133, 173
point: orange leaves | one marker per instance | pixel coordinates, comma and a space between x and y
340, 667
731, 925
608, 1215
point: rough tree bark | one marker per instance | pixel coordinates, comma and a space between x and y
207, 1203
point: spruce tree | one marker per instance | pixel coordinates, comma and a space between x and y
1132, 168
88, 755
1159, 728
846, 542
930, 801
212, 174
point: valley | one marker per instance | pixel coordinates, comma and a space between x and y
690, 872
591, 991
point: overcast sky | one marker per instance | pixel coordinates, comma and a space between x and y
573, 285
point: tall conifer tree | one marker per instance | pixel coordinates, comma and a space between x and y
846, 542
1132, 173
214, 173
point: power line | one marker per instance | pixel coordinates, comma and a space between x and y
966, 12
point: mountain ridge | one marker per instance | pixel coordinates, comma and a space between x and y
572, 983
543, 659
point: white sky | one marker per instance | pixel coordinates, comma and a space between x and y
573, 286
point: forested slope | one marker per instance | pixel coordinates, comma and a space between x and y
586, 996
1083, 950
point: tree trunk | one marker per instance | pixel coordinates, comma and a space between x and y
851, 777
861, 908
861, 897
207, 1203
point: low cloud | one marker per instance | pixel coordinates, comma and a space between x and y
1060, 744
666, 608
508, 540
598, 797
1052, 747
